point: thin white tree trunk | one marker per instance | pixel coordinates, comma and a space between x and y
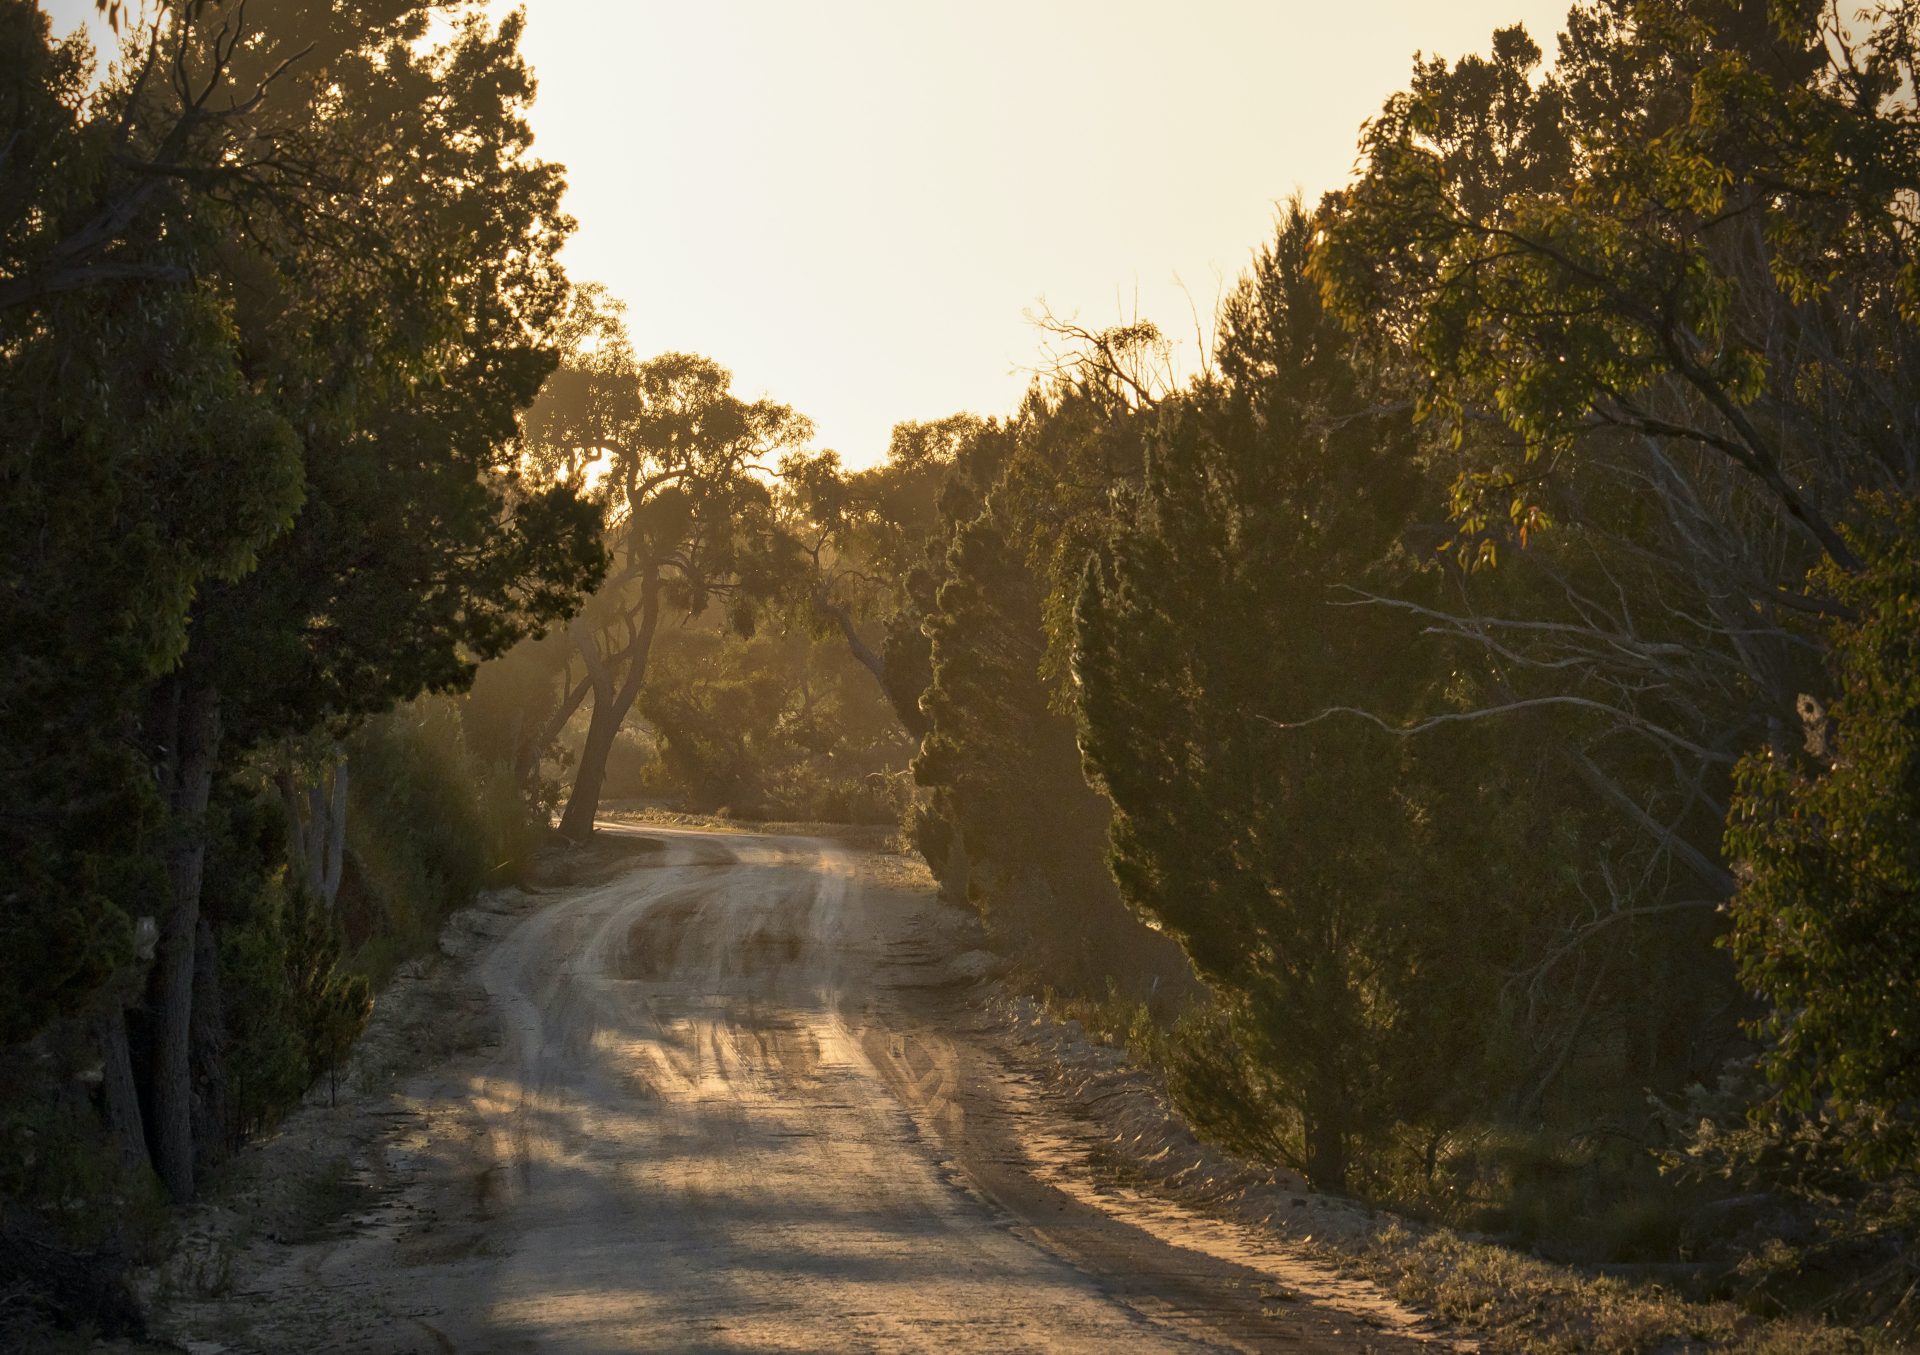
336, 832
290, 801
195, 743
315, 852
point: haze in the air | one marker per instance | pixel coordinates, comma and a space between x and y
860, 203
855, 204
945, 675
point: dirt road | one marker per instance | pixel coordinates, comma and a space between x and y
740, 1100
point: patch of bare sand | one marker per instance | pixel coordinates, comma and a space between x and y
332, 1164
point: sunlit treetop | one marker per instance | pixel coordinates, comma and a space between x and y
1696, 225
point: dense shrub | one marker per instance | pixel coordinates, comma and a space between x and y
1826, 924
428, 827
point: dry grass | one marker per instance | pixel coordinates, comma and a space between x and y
1521, 1304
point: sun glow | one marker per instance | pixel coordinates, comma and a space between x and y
857, 205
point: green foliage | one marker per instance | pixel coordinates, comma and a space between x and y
518, 706
296, 1013
291, 1012
1789, 1219
988, 703
1005, 773
713, 735
1607, 243
247, 899
428, 828
1826, 925
1005, 814
1227, 1092
423, 546
1287, 851
244, 443
779, 726
137, 466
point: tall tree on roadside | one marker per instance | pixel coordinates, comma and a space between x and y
420, 547
980, 646
680, 468
1283, 853
1657, 304
332, 337
139, 466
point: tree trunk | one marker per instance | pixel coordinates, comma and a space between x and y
296, 827
1326, 1150
194, 720
956, 874
856, 646
583, 804
212, 1127
317, 828
526, 766
314, 853
125, 1126
336, 832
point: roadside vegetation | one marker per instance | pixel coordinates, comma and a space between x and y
259, 484
1466, 738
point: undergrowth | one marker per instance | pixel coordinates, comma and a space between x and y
1547, 1241
429, 826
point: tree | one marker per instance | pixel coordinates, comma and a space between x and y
320, 363
418, 548
1289, 856
1006, 818
1826, 924
1694, 229
1648, 305
140, 466
679, 467
863, 532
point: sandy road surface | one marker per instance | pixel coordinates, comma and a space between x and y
737, 1104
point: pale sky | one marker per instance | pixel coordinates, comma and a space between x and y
854, 204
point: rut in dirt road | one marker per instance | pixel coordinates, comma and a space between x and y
728, 1113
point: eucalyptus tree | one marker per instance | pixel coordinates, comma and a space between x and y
1667, 278
863, 532
680, 468
1695, 228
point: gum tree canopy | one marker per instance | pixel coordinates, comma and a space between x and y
679, 468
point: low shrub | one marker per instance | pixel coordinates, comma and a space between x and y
428, 827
